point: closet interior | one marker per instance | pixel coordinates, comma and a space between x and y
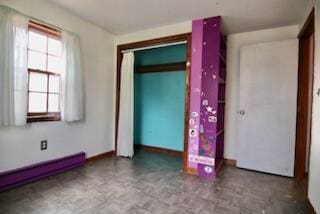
159, 99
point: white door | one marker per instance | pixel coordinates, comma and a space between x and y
267, 107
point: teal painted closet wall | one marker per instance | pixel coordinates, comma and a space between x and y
160, 99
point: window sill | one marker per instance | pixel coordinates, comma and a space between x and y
43, 118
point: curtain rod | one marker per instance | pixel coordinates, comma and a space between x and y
36, 19
154, 46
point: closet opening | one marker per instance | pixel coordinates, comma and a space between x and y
160, 95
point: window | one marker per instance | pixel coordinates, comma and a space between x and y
44, 69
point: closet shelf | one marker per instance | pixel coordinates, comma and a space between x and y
222, 59
221, 81
220, 132
179, 66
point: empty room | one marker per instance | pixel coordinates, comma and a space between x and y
149, 106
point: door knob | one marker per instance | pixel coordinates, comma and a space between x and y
242, 112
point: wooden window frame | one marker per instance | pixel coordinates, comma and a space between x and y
43, 116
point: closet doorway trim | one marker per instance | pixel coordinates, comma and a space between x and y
147, 44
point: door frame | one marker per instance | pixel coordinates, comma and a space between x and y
301, 147
147, 43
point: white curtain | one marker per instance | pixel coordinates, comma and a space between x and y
125, 125
71, 79
13, 68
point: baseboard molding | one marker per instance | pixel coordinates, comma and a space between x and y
35, 172
310, 208
160, 150
100, 156
230, 162
191, 171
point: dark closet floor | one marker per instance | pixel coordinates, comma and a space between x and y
153, 183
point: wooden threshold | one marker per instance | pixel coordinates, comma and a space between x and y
310, 207
191, 171
230, 162
219, 167
100, 156
159, 150
179, 66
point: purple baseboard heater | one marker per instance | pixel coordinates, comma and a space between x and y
37, 171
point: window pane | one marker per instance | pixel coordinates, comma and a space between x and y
54, 47
54, 84
54, 64
37, 41
37, 60
53, 103
37, 102
38, 82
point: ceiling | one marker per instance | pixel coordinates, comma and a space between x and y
125, 16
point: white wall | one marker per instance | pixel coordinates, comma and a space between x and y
314, 170
234, 43
21, 146
153, 33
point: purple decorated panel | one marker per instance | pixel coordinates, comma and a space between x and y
195, 92
205, 62
209, 93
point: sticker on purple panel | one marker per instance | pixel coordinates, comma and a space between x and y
208, 169
205, 102
193, 132
203, 138
212, 119
191, 121
195, 147
194, 114
196, 90
212, 138
201, 130
211, 154
209, 109
202, 160
206, 146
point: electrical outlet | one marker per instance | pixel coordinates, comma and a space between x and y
44, 145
